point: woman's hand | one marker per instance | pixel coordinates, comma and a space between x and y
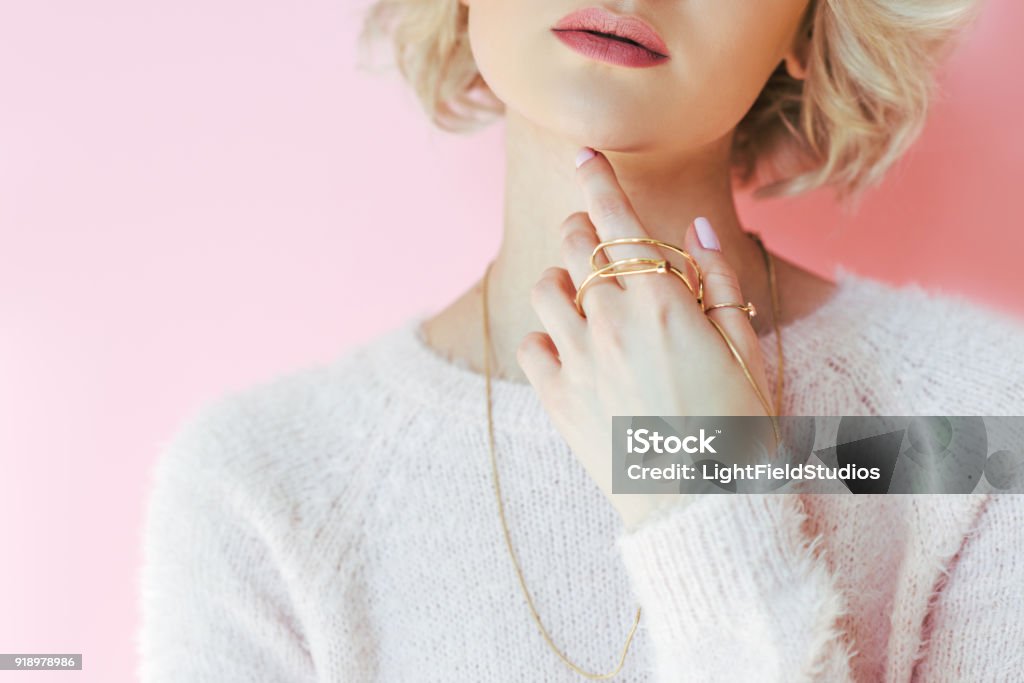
645, 346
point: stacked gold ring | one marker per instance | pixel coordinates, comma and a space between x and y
747, 308
638, 265
626, 266
613, 269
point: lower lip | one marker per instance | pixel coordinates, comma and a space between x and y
609, 50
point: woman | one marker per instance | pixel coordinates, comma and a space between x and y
355, 522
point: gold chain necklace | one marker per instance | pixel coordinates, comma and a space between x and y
770, 264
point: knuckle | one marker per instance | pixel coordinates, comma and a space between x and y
662, 292
576, 240
524, 356
546, 285
521, 352
608, 206
574, 221
666, 303
607, 331
669, 317
723, 280
538, 291
529, 345
553, 273
662, 305
576, 218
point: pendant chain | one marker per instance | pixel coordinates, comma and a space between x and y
770, 265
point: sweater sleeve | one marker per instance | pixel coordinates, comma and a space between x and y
215, 606
732, 589
975, 628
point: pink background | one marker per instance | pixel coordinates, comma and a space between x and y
192, 197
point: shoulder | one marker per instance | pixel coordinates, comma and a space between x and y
947, 353
267, 422
252, 511
286, 436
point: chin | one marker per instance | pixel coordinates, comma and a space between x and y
595, 121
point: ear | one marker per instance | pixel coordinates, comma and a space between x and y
796, 57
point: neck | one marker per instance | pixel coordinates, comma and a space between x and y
667, 191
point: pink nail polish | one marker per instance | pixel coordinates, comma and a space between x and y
583, 156
706, 234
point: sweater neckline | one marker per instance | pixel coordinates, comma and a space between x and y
439, 385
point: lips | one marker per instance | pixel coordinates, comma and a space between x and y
623, 40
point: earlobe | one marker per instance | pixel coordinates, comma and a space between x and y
796, 58
796, 67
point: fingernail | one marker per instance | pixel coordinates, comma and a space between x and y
706, 234
583, 156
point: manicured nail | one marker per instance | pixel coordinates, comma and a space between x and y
706, 234
583, 156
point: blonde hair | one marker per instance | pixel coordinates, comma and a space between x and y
863, 102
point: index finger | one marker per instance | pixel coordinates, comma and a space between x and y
609, 208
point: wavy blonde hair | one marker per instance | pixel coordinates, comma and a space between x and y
869, 81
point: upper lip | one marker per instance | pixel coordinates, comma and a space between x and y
600, 20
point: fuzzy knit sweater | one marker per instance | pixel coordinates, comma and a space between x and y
338, 524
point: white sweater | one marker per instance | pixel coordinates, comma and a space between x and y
339, 524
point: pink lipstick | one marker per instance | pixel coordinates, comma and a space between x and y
626, 41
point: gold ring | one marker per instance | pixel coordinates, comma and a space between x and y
638, 265
749, 308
